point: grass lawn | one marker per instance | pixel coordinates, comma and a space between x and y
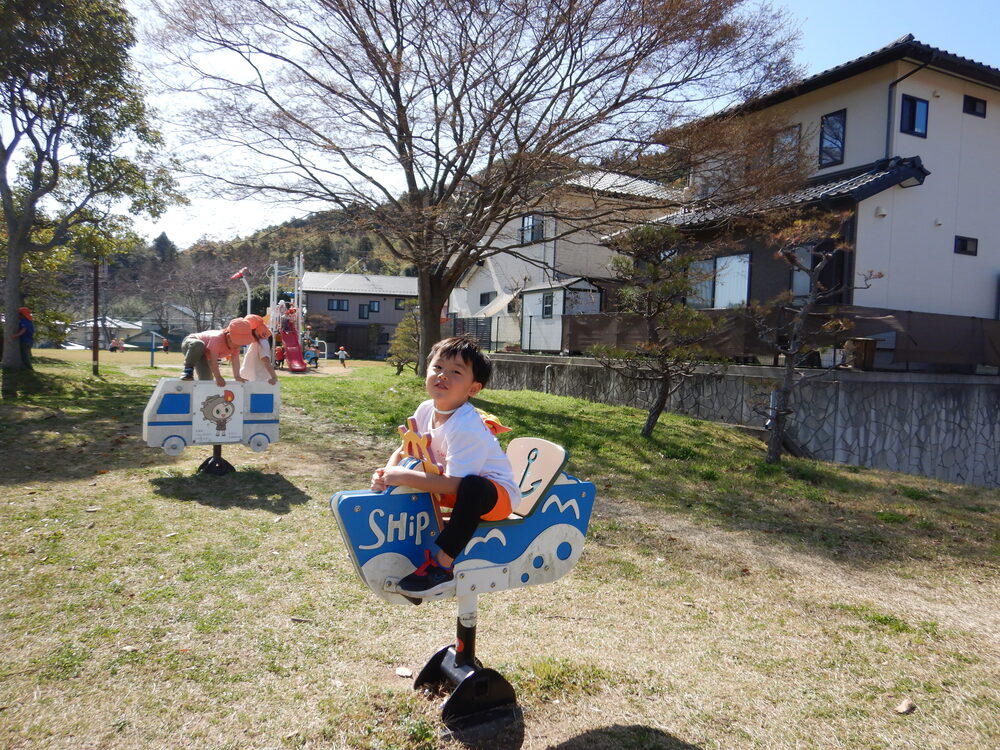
720, 602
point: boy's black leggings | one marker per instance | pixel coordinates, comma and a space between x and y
476, 496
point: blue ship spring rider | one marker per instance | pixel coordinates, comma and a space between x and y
386, 535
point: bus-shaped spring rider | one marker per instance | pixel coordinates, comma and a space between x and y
386, 534
199, 412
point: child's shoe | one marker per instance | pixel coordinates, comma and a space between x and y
188, 373
427, 581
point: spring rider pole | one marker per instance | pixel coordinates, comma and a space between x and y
216, 464
481, 695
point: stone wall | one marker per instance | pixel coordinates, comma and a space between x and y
942, 426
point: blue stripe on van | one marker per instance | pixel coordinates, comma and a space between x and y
166, 424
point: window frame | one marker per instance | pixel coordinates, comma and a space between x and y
362, 311
548, 303
490, 296
969, 106
338, 305
532, 228
374, 306
400, 303
966, 245
825, 159
909, 115
711, 303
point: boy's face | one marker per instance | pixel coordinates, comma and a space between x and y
450, 382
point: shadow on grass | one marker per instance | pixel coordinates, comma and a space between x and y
633, 737
71, 428
705, 472
246, 490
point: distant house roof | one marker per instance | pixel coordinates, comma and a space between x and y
622, 184
359, 283
106, 322
559, 284
855, 184
904, 48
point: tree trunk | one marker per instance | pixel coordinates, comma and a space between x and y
430, 302
779, 420
657, 408
12, 362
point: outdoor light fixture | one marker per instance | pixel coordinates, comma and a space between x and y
239, 275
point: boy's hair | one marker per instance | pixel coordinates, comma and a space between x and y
468, 351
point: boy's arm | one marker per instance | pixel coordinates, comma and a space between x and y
236, 368
213, 365
270, 370
441, 484
378, 477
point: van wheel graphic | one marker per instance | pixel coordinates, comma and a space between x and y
258, 442
174, 445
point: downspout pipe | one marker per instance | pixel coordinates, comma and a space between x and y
892, 100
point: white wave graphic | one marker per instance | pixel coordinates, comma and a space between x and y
492, 534
571, 503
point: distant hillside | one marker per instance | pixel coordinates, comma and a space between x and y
326, 239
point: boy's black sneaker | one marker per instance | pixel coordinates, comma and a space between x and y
188, 373
429, 580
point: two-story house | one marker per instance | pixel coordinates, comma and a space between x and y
907, 139
558, 260
356, 311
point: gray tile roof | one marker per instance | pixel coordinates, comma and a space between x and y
359, 283
623, 184
906, 47
857, 185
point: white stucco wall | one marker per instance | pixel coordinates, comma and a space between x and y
913, 244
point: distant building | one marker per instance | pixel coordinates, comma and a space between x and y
357, 311
82, 331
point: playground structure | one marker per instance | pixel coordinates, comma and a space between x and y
199, 412
387, 533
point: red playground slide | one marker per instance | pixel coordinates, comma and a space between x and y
293, 347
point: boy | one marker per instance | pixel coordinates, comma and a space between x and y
477, 473
202, 351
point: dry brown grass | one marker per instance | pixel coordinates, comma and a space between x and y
203, 612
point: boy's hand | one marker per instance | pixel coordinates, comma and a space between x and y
220, 381
378, 481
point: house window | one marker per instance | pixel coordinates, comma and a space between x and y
721, 282
832, 136
486, 297
913, 116
400, 303
785, 146
374, 306
337, 304
966, 245
547, 305
532, 228
973, 106
512, 305
801, 280
363, 311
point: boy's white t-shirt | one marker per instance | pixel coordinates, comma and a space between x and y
464, 445
252, 368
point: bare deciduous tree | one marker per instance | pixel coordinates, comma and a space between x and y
438, 123
808, 244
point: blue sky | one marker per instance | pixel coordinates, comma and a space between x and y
836, 31
832, 32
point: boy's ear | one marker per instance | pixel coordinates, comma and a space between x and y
475, 388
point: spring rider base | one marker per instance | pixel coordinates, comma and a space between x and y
216, 464
481, 698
